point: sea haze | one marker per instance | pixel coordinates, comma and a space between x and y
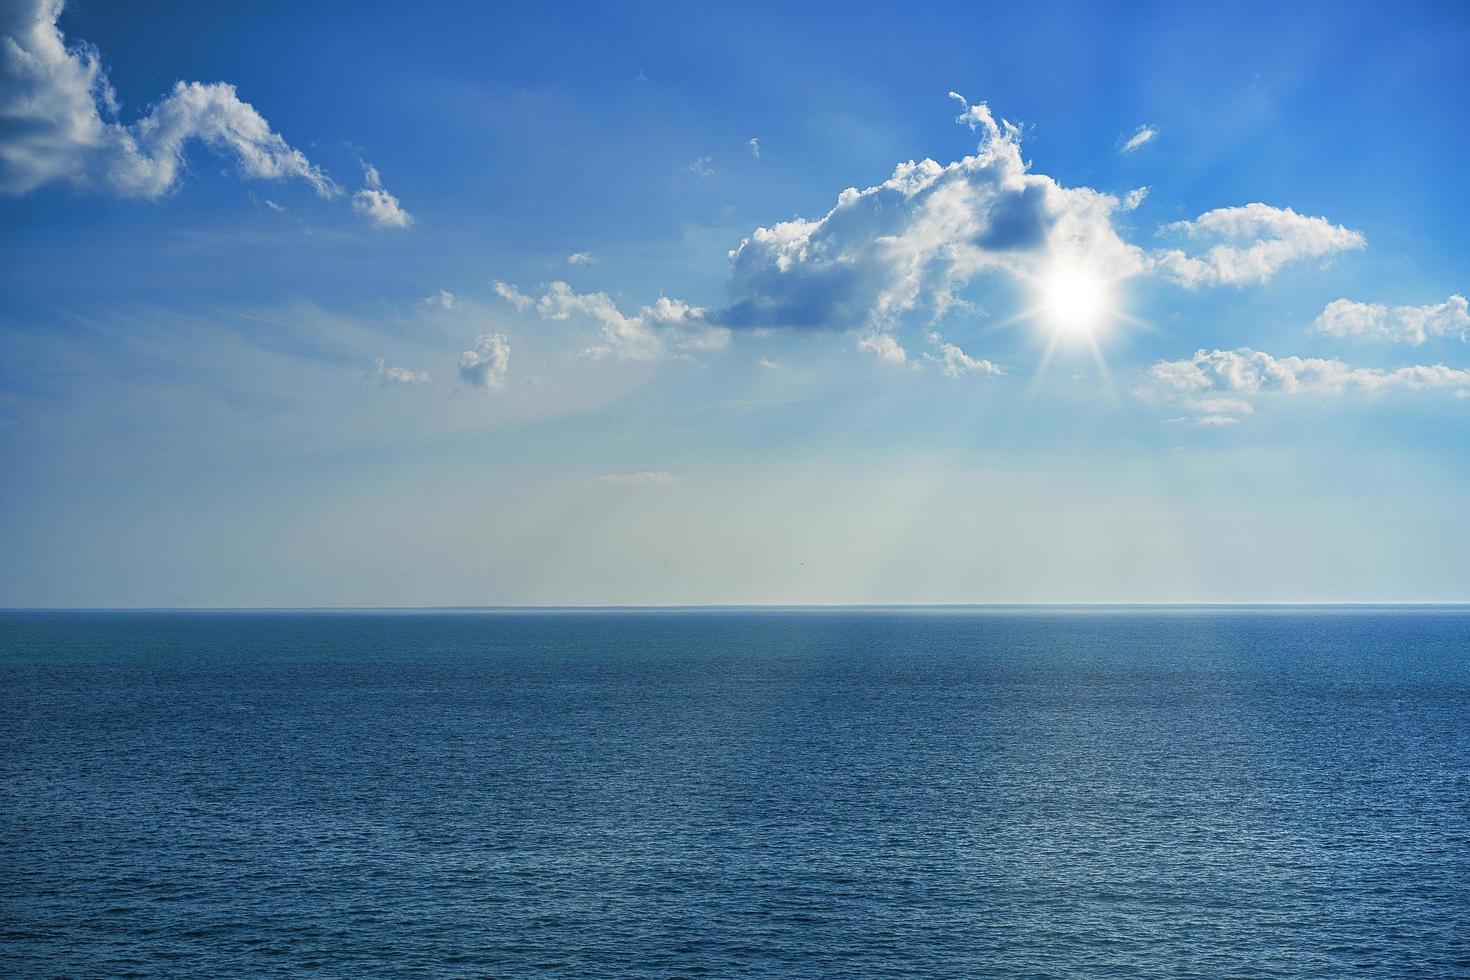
1275, 792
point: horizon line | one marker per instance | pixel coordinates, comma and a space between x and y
755, 606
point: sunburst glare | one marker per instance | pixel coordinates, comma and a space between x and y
1075, 300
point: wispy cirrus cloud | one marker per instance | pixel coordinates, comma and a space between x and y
1141, 137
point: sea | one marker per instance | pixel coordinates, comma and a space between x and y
843, 792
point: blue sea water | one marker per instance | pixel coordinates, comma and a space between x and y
954, 792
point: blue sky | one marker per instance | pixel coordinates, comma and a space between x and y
501, 304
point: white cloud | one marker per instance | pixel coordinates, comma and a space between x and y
767, 363
1219, 382
1144, 135
977, 116
643, 478
702, 167
485, 365
1219, 406
443, 299
511, 295
755, 147
954, 362
581, 258
667, 328
386, 375
912, 241
1134, 198
376, 204
884, 348
1406, 324
1255, 241
61, 120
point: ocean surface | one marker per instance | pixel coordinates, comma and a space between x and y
791, 793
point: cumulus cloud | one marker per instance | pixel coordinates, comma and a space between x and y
667, 328
916, 240
767, 363
884, 348
954, 362
1219, 382
375, 203
387, 376
643, 478
581, 258
485, 365
1404, 324
60, 120
702, 167
755, 147
912, 241
1253, 243
1144, 135
443, 299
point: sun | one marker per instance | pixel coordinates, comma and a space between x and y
1074, 299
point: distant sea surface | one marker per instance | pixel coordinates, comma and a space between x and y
788, 793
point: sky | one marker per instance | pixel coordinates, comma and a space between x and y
651, 303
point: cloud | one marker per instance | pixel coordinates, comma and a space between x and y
912, 241
767, 363
486, 364
1134, 198
1220, 406
376, 204
1219, 382
668, 328
1405, 324
755, 147
386, 376
644, 478
443, 299
1255, 241
581, 258
977, 116
1144, 135
884, 348
60, 112
702, 167
954, 363
511, 295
